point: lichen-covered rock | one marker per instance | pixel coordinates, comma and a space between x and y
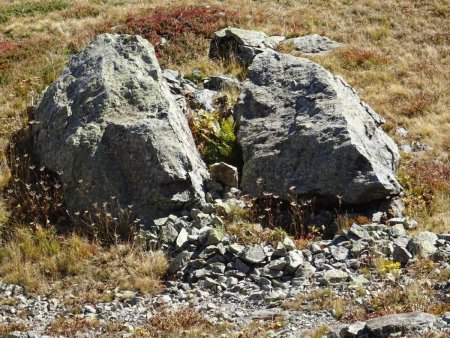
298, 125
111, 125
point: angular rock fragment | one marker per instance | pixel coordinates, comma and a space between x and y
237, 43
224, 173
423, 245
254, 254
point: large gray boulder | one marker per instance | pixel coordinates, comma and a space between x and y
111, 125
298, 125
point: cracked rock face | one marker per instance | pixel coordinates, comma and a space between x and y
111, 125
301, 126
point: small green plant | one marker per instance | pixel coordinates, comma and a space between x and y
214, 136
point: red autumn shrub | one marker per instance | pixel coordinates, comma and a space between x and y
169, 23
185, 29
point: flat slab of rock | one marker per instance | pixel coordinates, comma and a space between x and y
111, 125
312, 44
403, 322
298, 125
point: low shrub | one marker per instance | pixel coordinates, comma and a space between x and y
179, 33
362, 58
423, 180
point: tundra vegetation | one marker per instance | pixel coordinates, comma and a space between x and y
396, 55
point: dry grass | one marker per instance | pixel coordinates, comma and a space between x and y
253, 233
43, 262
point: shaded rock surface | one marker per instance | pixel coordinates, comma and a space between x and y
301, 126
111, 125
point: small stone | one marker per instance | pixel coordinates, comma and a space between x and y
293, 259
179, 262
90, 309
221, 82
182, 239
280, 250
423, 245
289, 244
358, 231
254, 254
334, 276
312, 44
397, 230
164, 299
210, 283
160, 221
402, 322
339, 253
274, 41
446, 317
277, 264
225, 174
355, 329
411, 224
215, 237
396, 220
378, 217
236, 248
241, 266
168, 234
401, 255
306, 270
402, 132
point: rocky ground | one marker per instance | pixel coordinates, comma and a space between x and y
331, 282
